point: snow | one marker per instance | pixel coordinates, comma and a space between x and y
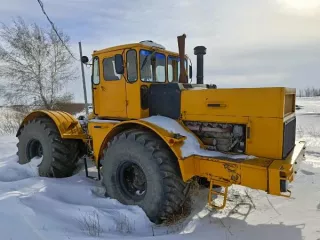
32, 207
37, 208
191, 145
83, 112
152, 44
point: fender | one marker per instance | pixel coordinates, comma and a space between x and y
173, 141
68, 126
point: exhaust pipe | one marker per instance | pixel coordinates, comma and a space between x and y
181, 45
199, 51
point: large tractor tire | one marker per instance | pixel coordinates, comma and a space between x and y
139, 169
41, 138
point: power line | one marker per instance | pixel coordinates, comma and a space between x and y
55, 30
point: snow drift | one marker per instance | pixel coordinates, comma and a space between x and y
32, 207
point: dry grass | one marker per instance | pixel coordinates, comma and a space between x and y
10, 121
90, 223
123, 225
185, 210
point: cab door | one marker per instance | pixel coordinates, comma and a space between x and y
112, 88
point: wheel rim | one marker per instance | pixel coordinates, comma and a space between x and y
132, 180
34, 149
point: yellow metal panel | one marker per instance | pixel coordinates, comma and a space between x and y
258, 173
254, 173
133, 97
68, 126
99, 131
241, 102
188, 168
261, 163
96, 99
266, 136
111, 93
290, 102
220, 170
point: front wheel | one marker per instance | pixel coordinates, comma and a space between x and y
139, 169
40, 138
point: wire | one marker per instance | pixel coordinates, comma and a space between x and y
55, 30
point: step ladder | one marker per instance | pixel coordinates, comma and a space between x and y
213, 192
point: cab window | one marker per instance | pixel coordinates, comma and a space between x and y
152, 66
95, 71
174, 68
109, 70
132, 66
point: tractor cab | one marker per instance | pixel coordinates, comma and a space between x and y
122, 76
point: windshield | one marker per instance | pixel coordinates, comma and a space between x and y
152, 66
174, 68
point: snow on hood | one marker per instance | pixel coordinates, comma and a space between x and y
191, 144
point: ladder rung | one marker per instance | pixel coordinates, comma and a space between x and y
213, 192
217, 193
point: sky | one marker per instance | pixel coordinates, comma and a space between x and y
250, 43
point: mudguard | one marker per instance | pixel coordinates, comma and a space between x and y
105, 130
68, 126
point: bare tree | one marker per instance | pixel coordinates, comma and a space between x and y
35, 66
307, 92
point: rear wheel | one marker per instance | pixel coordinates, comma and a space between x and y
139, 169
41, 138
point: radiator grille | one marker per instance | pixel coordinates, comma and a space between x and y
289, 136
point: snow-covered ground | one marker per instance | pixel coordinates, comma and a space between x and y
32, 207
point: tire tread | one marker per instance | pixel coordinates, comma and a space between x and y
65, 152
173, 185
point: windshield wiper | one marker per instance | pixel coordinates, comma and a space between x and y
146, 58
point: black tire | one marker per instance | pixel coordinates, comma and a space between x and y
41, 137
164, 188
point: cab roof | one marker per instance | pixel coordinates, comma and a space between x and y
132, 45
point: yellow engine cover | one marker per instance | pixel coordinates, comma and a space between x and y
263, 110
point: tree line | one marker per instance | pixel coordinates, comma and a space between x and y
309, 92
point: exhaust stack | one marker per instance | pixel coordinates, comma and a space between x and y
199, 51
181, 46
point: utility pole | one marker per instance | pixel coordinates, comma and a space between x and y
84, 82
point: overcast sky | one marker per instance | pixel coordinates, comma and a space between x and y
250, 43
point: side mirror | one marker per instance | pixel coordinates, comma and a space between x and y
119, 64
190, 71
84, 59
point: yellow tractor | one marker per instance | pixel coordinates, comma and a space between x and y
151, 131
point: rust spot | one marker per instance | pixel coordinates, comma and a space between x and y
235, 177
230, 167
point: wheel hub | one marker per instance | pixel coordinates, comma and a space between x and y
132, 180
34, 149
